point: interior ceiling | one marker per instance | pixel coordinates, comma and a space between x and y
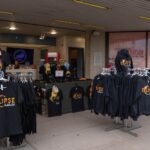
123, 15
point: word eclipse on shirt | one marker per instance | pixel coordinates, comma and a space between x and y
7, 101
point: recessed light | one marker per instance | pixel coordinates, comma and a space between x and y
82, 2
144, 18
6, 13
53, 32
12, 27
68, 22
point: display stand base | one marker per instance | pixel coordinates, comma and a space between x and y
6, 145
15, 147
117, 124
114, 127
130, 129
126, 126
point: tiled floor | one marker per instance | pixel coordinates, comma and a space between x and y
85, 131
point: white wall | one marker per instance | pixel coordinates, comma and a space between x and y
97, 59
64, 42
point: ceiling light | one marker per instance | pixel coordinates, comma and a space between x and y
42, 37
6, 13
144, 18
100, 6
53, 32
12, 27
68, 22
93, 26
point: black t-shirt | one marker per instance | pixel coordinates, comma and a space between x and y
28, 108
54, 102
142, 95
111, 95
10, 99
100, 94
38, 93
77, 97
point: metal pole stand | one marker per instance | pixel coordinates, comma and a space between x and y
129, 126
126, 126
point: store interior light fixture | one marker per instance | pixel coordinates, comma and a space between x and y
95, 5
68, 22
53, 32
12, 27
42, 36
2, 13
144, 18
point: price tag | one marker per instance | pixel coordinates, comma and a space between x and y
59, 73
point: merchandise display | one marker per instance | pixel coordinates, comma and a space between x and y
75, 75
77, 97
124, 93
17, 110
64, 102
122, 97
54, 97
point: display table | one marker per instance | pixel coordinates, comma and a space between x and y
65, 88
24, 71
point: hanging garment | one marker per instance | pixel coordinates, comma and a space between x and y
77, 98
28, 113
39, 96
54, 97
123, 61
142, 95
10, 100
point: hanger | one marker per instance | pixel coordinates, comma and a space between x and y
2, 76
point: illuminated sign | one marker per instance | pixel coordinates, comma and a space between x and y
20, 55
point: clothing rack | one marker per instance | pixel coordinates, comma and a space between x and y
126, 125
5, 142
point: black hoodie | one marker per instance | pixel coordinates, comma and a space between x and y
123, 61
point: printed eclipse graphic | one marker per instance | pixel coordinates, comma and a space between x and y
20, 55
